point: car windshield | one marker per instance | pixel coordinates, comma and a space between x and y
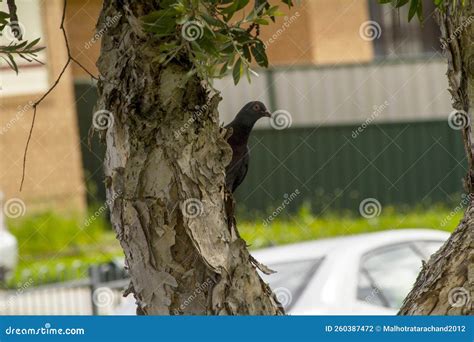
290, 279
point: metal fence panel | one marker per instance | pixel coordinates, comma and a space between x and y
98, 294
315, 95
397, 163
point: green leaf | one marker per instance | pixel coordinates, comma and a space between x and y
224, 69
273, 11
261, 21
32, 43
11, 62
419, 11
154, 16
246, 52
401, 3
4, 15
237, 71
247, 74
413, 9
236, 6
211, 20
258, 52
259, 6
161, 23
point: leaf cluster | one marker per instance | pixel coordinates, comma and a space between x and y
217, 36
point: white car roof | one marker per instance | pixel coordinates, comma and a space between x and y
319, 248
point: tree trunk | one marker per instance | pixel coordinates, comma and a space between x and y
445, 285
164, 169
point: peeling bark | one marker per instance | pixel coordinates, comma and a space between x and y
445, 285
164, 169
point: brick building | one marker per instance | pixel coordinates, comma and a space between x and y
54, 175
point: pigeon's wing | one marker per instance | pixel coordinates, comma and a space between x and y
233, 173
242, 171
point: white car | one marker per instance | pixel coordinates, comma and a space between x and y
366, 274
8, 248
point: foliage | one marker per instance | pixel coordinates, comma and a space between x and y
202, 31
306, 226
62, 268
49, 235
416, 6
17, 47
57, 248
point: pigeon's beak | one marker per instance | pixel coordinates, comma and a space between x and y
267, 114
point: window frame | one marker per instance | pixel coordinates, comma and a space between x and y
426, 39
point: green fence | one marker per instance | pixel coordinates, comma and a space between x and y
397, 163
402, 164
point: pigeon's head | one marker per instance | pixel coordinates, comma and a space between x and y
253, 111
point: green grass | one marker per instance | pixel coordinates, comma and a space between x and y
54, 248
45, 271
305, 226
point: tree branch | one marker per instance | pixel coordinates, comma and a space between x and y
15, 27
70, 59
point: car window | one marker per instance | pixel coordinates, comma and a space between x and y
386, 276
290, 279
429, 247
369, 293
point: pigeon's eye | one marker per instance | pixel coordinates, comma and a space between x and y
256, 107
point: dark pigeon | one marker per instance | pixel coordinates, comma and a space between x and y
241, 127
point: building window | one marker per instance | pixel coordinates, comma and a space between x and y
401, 38
33, 76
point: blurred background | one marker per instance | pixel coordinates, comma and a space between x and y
365, 147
